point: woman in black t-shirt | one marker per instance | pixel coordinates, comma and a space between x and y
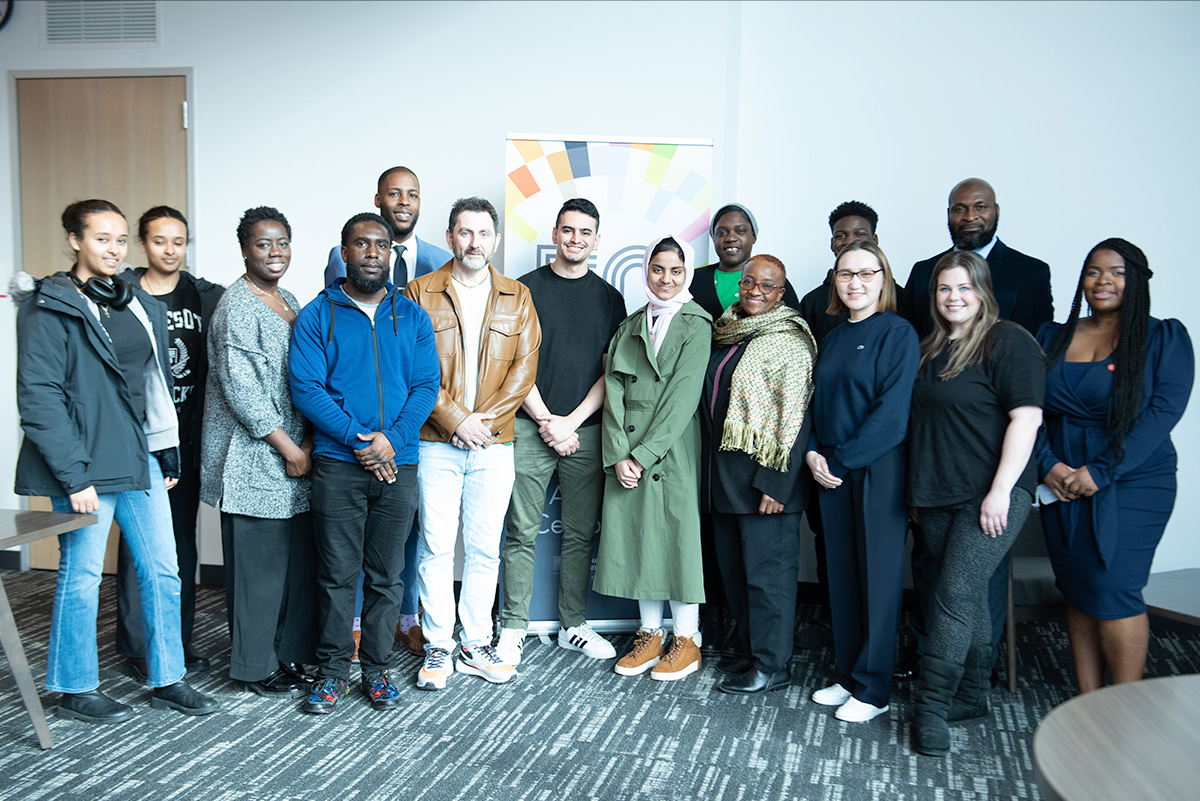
190, 301
976, 409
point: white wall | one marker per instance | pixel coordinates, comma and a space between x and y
1082, 115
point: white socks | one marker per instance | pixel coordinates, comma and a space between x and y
686, 618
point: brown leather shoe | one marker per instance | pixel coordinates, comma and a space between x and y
414, 640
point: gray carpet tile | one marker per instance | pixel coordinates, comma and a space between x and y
566, 728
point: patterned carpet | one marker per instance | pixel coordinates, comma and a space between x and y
567, 728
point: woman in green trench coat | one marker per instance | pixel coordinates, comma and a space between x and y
650, 543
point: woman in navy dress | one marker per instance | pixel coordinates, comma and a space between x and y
1117, 382
863, 390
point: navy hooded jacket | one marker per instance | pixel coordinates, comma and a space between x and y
349, 377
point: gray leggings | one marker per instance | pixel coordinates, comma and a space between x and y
968, 558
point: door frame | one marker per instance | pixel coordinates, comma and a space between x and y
17, 245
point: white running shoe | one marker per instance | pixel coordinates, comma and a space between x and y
833, 695
510, 645
436, 668
856, 711
482, 661
581, 638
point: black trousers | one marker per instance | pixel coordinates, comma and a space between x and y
865, 522
269, 578
361, 525
759, 557
816, 523
185, 504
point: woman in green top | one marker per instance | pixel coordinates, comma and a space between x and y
650, 544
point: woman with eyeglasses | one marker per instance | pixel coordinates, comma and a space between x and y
976, 409
754, 417
863, 388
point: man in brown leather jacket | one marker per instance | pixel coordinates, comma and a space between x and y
487, 337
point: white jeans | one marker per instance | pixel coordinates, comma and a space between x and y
478, 482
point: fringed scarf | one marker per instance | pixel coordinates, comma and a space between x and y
771, 388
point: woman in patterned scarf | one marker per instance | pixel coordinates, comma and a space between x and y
755, 424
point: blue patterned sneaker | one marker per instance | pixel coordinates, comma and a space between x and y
377, 686
323, 697
435, 670
482, 661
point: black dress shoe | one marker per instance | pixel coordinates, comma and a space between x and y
137, 666
194, 662
735, 665
817, 634
279, 684
906, 669
94, 707
756, 681
297, 672
182, 698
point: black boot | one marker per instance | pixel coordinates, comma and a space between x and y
936, 684
971, 701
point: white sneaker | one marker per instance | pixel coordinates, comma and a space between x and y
856, 711
510, 645
482, 661
833, 695
436, 668
581, 638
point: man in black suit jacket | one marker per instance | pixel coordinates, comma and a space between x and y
1021, 283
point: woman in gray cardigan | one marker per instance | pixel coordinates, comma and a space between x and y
256, 456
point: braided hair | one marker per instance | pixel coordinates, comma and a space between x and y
1125, 402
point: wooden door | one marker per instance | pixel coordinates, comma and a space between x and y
121, 139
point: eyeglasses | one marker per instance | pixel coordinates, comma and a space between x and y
766, 287
866, 276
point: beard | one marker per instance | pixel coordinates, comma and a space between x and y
974, 241
364, 285
461, 257
399, 233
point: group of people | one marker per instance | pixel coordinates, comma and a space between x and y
423, 396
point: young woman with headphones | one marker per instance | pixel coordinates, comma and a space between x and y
94, 394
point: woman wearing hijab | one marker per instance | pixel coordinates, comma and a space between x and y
754, 416
650, 548
1117, 382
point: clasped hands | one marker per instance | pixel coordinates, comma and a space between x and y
378, 458
1068, 483
559, 433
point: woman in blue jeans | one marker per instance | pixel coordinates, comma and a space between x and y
94, 393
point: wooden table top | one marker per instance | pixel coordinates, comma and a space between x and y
1130, 741
19, 528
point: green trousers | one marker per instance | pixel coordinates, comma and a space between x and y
581, 488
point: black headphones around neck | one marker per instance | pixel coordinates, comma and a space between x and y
115, 294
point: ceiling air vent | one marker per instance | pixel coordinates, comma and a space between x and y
101, 23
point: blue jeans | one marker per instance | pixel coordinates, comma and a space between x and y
145, 520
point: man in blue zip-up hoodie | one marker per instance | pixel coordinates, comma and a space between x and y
365, 371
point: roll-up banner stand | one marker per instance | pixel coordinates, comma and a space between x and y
645, 188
